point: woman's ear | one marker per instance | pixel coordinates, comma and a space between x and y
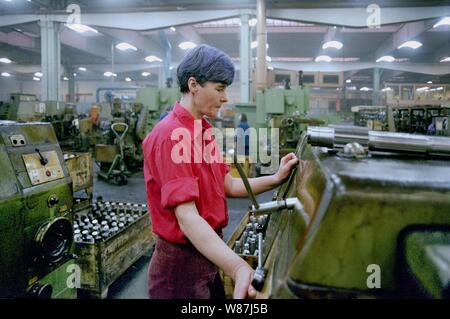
192, 85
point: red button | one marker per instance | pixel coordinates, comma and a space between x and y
48, 173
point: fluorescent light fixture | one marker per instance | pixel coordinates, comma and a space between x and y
36, 79
425, 88
430, 82
82, 69
447, 59
268, 58
270, 68
125, 46
332, 44
152, 58
254, 45
108, 74
145, 74
5, 60
170, 68
388, 89
323, 58
39, 74
6, 74
66, 78
252, 22
81, 28
348, 81
386, 58
410, 44
173, 29
365, 88
75, 75
128, 79
187, 45
443, 21
440, 88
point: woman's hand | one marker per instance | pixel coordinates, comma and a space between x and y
243, 282
286, 164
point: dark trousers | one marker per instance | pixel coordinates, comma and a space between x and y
178, 271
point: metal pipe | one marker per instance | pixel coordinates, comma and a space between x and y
335, 137
288, 203
261, 38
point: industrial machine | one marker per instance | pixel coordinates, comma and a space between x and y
27, 108
422, 119
156, 101
35, 214
365, 214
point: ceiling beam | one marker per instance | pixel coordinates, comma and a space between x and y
359, 16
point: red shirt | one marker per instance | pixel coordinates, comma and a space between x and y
170, 182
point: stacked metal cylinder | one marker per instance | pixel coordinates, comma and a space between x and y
104, 220
247, 244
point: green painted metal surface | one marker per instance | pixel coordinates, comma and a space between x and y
358, 210
25, 208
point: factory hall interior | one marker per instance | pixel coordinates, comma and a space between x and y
238, 149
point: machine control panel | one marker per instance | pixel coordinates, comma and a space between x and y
43, 167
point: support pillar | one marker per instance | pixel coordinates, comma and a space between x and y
376, 87
245, 58
50, 60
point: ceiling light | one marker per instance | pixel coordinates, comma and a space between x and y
430, 82
170, 68
75, 75
6, 74
145, 74
128, 79
411, 44
126, 46
440, 88
187, 45
108, 74
252, 22
36, 79
425, 88
268, 58
386, 58
332, 44
270, 68
254, 45
348, 81
388, 89
66, 78
152, 58
5, 60
81, 28
444, 21
173, 29
82, 69
114, 75
39, 74
447, 59
323, 58
364, 88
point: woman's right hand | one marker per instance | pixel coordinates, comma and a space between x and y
243, 282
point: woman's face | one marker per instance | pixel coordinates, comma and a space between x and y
209, 98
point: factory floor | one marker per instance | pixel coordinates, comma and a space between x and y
133, 283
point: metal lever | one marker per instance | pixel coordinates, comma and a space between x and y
243, 176
260, 273
43, 160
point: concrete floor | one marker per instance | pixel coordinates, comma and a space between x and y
133, 283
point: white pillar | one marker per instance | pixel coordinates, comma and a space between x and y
50, 60
245, 57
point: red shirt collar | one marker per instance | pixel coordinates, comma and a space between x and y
186, 118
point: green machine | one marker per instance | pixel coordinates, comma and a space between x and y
35, 214
157, 101
365, 214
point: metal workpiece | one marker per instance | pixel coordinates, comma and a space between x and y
102, 222
339, 136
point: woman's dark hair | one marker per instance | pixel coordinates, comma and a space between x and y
243, 117
205, 63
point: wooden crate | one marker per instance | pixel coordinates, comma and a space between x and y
251, 260
103, 262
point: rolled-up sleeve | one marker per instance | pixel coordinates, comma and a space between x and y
177, 180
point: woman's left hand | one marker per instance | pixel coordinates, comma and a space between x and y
286, 164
